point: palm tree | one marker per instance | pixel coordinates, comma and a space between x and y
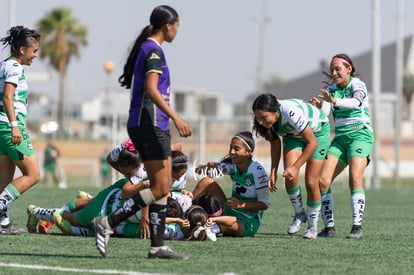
61, 38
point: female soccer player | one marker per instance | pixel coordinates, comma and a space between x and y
16, 148
250, 195
306, 136
147, 126
352, 145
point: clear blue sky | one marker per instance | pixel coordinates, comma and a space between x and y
218, 41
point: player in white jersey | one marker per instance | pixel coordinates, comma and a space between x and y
16, 148
178, 188
306, 135
250, 195
79, 211
354, 139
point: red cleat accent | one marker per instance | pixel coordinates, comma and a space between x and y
44, 227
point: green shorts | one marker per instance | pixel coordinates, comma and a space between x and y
15, 152
50, 167
323, 137
356, 144
251, 225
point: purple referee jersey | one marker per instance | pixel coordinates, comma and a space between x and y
142, 110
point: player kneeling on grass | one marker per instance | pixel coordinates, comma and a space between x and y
250, 195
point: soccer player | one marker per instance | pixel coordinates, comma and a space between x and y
306, 136
16, 148
352, 145
147, 126
250, 195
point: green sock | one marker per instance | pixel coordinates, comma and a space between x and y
13, 191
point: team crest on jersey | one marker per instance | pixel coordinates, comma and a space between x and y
154, 56
248, 182
289, 128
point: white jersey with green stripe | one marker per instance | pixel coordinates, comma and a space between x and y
349, 120
250, 186
296, 114
12, 71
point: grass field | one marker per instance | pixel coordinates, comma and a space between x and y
386, 248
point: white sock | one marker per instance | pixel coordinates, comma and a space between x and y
358, 206
45, 214
79, 231
295, 197
313, 215
215, 228
327, 208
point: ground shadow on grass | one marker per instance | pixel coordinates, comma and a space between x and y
65, 256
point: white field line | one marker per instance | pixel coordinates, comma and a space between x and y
74, 270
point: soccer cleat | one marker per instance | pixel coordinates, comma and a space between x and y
62, 224
83, 194
32, 220
102, 234
310, 233
44, 227
10, 230
164, 252
328, 232
294, 227
356, 232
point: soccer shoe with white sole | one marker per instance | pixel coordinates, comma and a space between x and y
294, 227
102, 234
356, 232
61, 223
32, 220
328, 232
10, 230
310, 233
164, 252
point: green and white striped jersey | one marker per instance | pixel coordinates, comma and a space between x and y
347, 120
12, 71
296, 114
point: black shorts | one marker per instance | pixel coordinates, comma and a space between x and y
151, 142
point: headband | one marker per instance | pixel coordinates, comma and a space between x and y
217, 213
180, 163
343, 60
244, 141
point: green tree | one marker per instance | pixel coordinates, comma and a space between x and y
61, 38
408, 90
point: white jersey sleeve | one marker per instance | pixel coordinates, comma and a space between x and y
139, 176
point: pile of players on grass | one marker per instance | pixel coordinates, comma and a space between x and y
198, 215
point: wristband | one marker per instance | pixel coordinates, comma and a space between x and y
14, 123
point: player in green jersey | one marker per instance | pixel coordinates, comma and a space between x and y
16, 148
347, 96
306, 135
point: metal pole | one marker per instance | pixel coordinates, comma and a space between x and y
376, 88
263, 20
12, 13
399, 71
